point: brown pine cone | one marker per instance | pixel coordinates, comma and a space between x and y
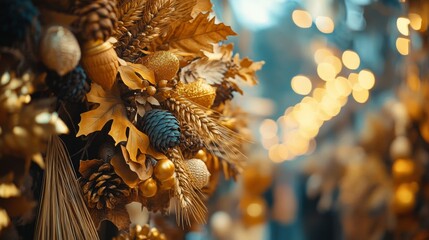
102, 188
190, 142
97, 19
223, 93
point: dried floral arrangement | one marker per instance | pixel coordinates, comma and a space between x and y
141, 87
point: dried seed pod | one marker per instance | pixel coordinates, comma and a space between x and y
198, 172
59, 50
100, 63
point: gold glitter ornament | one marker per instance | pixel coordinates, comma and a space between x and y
100, 63
164, 64
198, 172
199, 92
59, 50
148, 188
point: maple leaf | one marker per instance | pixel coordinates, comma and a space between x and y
246, 70
197, 35
111, 108
212, 71
220, 52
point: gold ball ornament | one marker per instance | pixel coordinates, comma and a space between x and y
100, 62
59, 50
199, 92
168, 183
404, 168
404, 199
198, 172
148, 187
253, 209
151, 90
164, 64
164, 169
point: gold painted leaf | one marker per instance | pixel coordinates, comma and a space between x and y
202, 6
247, 69
112, 109
132, 74
123, 169
197, 35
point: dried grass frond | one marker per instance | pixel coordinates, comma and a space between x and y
218, 139
62, 213
189, 206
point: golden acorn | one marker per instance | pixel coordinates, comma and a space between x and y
164, 64
101, 63
198, 172
198, 91
148, 188
164, 169
59, 50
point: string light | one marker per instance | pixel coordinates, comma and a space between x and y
351, 59
325, 24
301, 85
402, 25
302, 18
403, 45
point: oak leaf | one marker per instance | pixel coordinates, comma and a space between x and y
197, 35
111, 108
201, 6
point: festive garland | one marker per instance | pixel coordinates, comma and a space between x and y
144, 88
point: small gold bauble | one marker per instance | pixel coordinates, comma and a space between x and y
151, 90
198, 173
253, 209
199, 92
404, 199
59, 50
168, 183
164, 64
148, 188
100, 63
164, 169
403, 168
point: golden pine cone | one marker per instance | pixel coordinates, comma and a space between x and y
97, 19
102, 187
190, 142
144, 232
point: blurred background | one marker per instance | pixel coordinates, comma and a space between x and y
340, 122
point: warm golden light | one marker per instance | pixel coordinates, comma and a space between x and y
403, 45
301, 85
402, 25
268, 128
254, 209
366, 79
343, 86
360, 95
302, 18
351, 59
321, 54
325, 24
274, 155
326, 71
403, 167
415, 21
269, 142
404, 194
335, 62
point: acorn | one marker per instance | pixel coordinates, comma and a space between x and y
59, 50
100, 63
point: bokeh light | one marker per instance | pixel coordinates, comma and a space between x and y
351, 59
302, 18
301, 85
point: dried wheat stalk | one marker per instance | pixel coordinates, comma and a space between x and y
129, 12
189, 205
218, 139
62, 213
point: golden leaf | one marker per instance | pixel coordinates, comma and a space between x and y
132, 74
202, 6
197, 35
123, 170
112, 109
211, 70
143, 172
221, 52
247, 69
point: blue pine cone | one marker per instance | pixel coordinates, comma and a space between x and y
162, 129
71, 87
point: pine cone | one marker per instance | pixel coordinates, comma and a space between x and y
162, 128
190, 142
71, 87
102, 187
223, 93
97, 19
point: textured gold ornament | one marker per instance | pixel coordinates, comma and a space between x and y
60, 50
199, 92
198, 172
148, 188
144, 232
100, 63
164, 64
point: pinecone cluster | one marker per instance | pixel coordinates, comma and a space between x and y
162, 128
103, 188
71, 87
97, 19
190, 142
